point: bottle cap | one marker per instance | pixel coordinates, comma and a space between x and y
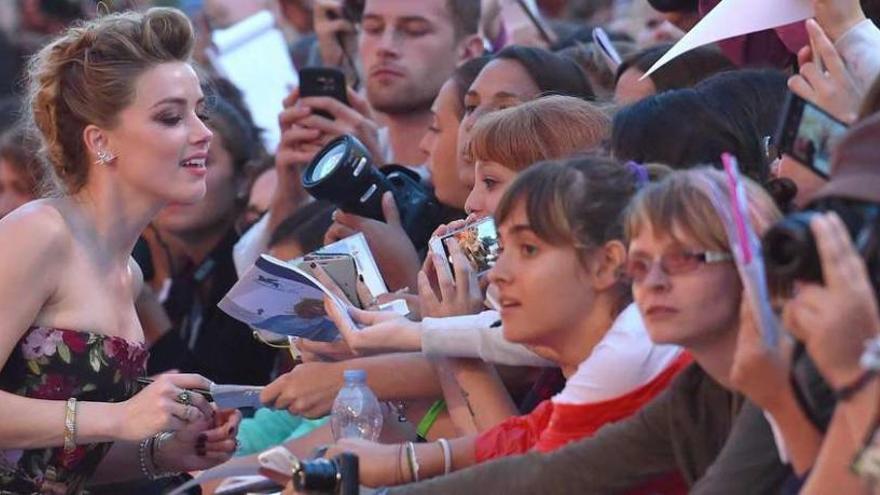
355, 376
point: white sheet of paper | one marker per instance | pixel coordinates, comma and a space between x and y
732, 18
254, 56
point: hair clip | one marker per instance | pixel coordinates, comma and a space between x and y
640, 172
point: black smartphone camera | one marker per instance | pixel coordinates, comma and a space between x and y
808, 134
333, 476
344, 174
790, 251
323, 81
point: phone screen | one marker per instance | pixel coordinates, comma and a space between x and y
809, 134
479, 242
816, 137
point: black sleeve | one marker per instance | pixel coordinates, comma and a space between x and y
619, 456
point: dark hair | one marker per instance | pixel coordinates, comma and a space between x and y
552, 73
684, 71
232, 120
306, 226
680, 129
590, 59
463, 76
465, 16
579, 201
748, 95
18, 149
675, 5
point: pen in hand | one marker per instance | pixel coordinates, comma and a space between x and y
204, 392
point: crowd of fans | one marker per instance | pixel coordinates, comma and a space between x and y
612, 348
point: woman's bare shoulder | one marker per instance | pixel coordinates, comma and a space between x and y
38, 228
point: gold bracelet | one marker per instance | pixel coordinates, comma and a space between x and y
70, 426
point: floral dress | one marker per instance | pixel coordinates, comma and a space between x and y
56, 364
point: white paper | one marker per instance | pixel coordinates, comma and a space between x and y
254, 56
732, 18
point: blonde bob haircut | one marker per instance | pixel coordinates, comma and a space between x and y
680, 206
548, 128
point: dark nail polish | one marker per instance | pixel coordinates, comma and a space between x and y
201, 451
202, 438
361, 278
313, 265
231, 430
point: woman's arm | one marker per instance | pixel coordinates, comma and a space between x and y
310, 388
475, 394
36, 246
388, 464
849, 427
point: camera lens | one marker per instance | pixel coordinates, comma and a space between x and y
317, 475
327, 164
344, 174
790, 249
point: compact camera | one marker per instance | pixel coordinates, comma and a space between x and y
344, 174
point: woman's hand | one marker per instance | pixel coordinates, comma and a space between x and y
380, 331
832, 89
834, 320
200, 445
760, 373
378, 464
307, 390
461, 296
160, 407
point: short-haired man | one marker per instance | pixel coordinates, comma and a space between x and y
407, 50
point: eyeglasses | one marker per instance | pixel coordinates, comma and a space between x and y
675, 263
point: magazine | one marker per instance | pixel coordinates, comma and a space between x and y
286, 298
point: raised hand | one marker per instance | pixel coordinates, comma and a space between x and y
832, 89
380, 331
834, 320
460, 296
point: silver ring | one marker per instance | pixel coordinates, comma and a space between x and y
184, 398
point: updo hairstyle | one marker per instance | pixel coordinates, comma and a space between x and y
87, 76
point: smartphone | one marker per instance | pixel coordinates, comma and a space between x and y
323, 81
341, 268
478, 241
808, 134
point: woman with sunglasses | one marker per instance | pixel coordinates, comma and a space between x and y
562, 293
688, 291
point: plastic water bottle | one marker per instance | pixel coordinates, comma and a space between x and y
356, 412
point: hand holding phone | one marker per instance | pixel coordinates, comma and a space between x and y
808, 134
478, 241
323, 81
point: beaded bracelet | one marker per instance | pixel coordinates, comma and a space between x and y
147, 457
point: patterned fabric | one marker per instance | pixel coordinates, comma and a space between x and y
55, 364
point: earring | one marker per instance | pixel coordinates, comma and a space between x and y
104, 157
